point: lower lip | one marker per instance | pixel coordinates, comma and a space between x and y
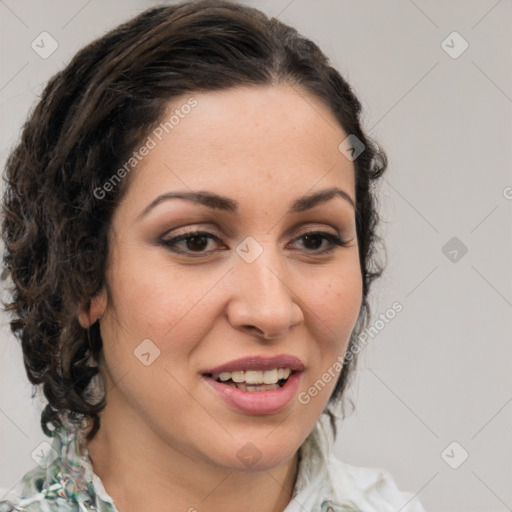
257, 402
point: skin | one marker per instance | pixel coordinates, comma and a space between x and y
167, 441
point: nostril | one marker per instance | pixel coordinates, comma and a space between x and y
253, 328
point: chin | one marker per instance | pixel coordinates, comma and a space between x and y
259, 452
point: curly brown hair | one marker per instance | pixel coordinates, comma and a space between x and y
91, 117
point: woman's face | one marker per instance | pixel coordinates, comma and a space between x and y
251, 285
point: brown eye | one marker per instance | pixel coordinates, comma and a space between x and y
313, 241
196, 243
193, 242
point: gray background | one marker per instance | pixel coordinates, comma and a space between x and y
440, 371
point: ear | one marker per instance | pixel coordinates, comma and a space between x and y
90, 312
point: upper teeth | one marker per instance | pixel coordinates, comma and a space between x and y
255, 376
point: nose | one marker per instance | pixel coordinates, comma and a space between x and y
263, 300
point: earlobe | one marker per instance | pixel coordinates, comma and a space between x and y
90, 313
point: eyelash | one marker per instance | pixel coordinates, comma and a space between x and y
172, 242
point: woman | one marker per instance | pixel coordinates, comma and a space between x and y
189, 223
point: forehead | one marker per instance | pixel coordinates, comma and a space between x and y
245, 141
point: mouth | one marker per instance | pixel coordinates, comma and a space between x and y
256, 385
254, 380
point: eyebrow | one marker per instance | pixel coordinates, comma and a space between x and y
217, 202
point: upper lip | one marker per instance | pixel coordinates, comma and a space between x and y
259, 363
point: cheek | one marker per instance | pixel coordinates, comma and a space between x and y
157, 318
336, 300
157, 298
335, 304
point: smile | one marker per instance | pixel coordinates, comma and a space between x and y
254, 380
256, 399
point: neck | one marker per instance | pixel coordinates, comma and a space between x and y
141, 471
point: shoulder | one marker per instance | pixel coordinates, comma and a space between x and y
45, 488
369, 488
338, 486
28, 495
63, 480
